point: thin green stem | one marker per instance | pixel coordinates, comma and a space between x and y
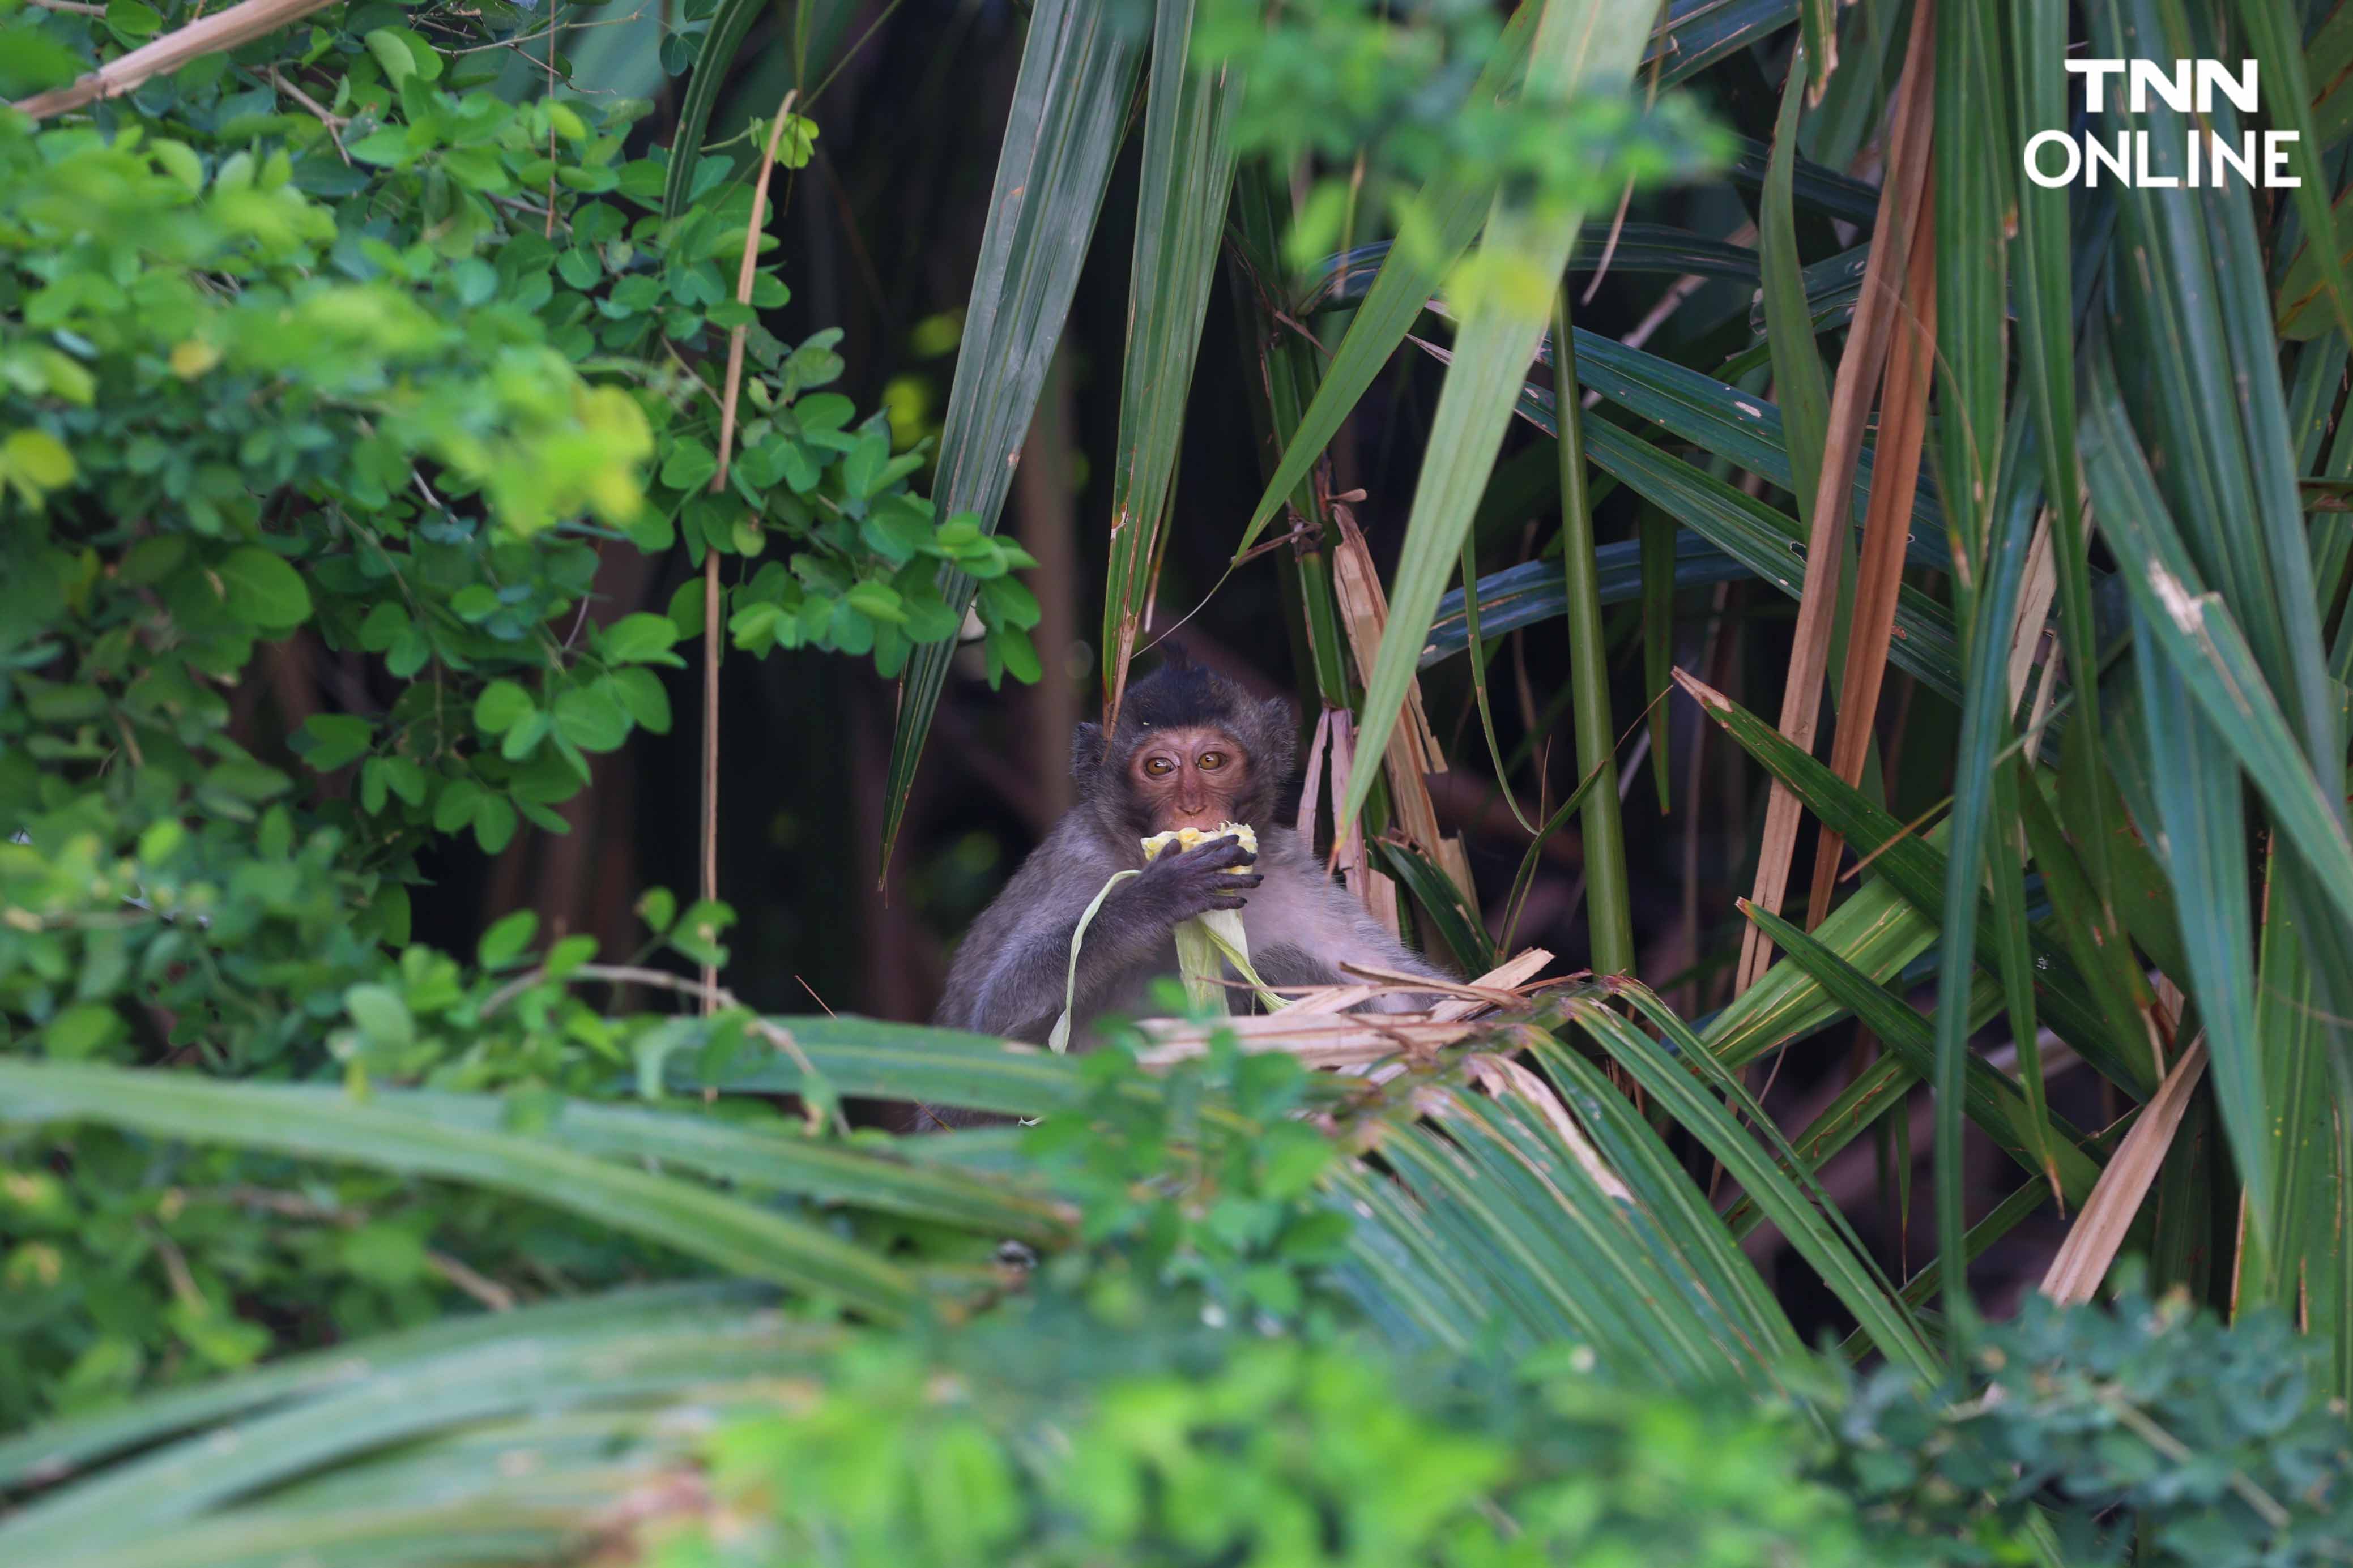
1609, 907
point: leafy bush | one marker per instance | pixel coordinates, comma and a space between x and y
1031, 1445
1403, 96
2138, 1424
1209, 1185
329, 339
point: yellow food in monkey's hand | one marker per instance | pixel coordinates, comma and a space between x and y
1208, 939
1204, 943
1194, 837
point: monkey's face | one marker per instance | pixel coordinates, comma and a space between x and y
1188, 777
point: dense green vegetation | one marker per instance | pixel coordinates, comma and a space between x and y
403, 408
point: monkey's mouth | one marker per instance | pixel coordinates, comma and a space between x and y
1182, 838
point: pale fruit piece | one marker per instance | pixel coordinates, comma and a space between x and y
1198, 957
1189, 838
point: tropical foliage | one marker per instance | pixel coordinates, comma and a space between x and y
370, 374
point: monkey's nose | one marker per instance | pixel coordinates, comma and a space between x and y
1192, 813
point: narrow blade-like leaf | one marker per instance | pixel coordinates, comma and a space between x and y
1187, 177
1070, 108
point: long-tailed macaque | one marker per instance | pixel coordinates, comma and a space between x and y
1191, 750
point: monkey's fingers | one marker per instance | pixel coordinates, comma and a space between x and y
1222, 852
1241, 879
1228, 901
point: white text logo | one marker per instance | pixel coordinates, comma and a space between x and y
2188, 87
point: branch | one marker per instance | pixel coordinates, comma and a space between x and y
623, 973
241, 24
319, 111
711, 643
714, 996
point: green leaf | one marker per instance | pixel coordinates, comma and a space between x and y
861, 468
1069, 107
381, 1015
262, 590
730, 20
390, 1359
2211, 713
1407, 278
393, 51
332, 740
1984, 848
1580, 45
242, 778
1016, 654
1187, 175
1818, 22
409, 1394
591, 718
40, 458
1535, 591
690, 465
455, 807
1781, 1185
2029, 1133
1801, 387
478, 169
642, 639
507, 937
2044, 292
523, 736
83, 1030
697, 932
32, 61
387, 147
1759, 536
745, 1237
2276, 33
640, 692
1459, 926
494, 824
500, 707
1918, 871
876, 600
1609, 893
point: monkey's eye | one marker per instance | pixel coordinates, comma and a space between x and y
1159, 767
1213, 761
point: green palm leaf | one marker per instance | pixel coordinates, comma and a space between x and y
1580, 46
566, 1357
1188, 174
742, 1237
1070, 112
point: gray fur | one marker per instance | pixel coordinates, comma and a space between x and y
1010, 971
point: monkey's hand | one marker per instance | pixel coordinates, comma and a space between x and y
1182, 883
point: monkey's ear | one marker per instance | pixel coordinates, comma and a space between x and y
1086, 749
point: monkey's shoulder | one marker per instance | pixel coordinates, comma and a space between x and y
1283, 854
1282, 847
1298, 886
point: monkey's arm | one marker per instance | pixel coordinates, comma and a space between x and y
1316, 960
1011, 977
1308, 926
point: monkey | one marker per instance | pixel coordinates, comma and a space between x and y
1190, 749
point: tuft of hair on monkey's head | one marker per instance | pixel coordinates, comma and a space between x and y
1180, 695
